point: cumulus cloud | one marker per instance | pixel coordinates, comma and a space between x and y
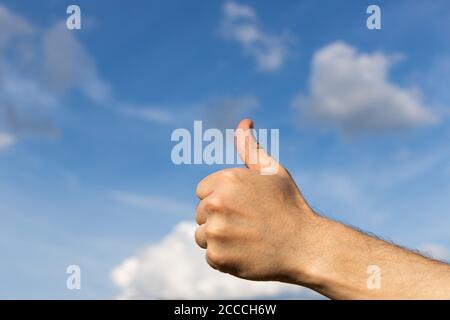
435, 251
241, 24
175, 268
351, 92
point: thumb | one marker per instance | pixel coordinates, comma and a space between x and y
249, 150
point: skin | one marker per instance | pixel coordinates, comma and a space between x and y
259, 227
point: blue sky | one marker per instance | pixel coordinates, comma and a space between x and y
86, 117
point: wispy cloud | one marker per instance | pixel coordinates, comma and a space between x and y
12, 25
361, 193
350, 91
68, 65
218, 112
241, 24
55, 63
151, 202
46, 64
150, 114
40, 65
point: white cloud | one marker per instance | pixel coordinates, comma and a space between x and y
240, 23
176, 268
351, 91
6, 140
435, 251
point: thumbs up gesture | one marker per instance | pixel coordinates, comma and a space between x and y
252, 224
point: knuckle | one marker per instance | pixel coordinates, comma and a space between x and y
198, 218
204, 186
210, 208
231, 174
199, 189
214, 231
197, 234
200, 214
199, 238
215, 204
216, 259
211, 232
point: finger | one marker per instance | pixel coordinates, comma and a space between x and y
210, 261
200, 237
200, 213
204, 188
207, 185
251, 153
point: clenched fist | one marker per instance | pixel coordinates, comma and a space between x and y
251, 224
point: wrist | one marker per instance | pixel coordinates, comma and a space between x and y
335, 260
317, 248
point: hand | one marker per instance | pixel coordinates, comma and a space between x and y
254, 226
259, 227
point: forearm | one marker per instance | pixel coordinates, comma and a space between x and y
340, 258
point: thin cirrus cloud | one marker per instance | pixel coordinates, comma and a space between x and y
351, 194
350, 91
151, 202
241, 24
150, 114
218, 112
147, 275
